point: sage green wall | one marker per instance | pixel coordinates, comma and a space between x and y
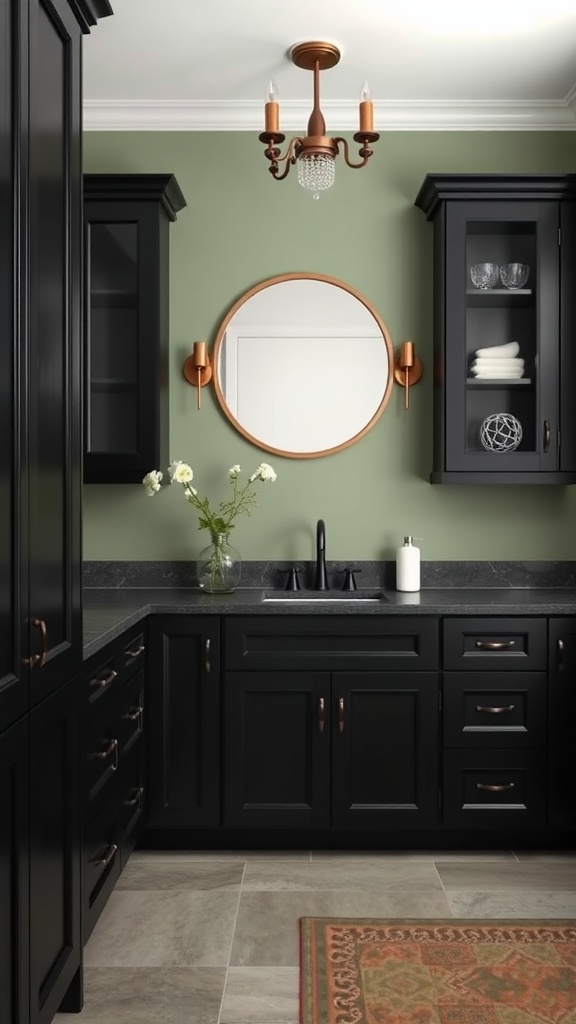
240, 227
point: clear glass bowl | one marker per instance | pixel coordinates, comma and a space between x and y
514, 275
484, 275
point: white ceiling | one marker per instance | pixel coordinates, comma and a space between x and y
431, 64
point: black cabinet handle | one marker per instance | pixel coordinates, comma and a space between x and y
101, 684
321, 714
136, 799
108, 857
134, 715
494, 645
560, 648
546, 437
495, 789
341, 714
494, 711
207, 662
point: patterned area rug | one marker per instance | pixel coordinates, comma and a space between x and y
437, 972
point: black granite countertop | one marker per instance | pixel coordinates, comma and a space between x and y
108, 612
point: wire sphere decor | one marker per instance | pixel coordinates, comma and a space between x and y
501, 432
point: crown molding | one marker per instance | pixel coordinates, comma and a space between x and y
399, 115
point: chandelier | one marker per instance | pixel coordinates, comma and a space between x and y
315, 154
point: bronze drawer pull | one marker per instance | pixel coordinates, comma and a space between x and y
494, 645
134, 714
495, 711
132, 801
546, 436
103, 862
560, 648
207, 663
341, 714
321, 714
495, 789
103, 755
101, 684
135, 652
37, 660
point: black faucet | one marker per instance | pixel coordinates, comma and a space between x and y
321, 581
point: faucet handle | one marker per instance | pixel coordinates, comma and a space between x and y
349, 579
293, 583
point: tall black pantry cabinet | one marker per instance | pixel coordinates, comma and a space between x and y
40, 569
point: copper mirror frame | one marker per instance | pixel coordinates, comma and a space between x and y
304, 365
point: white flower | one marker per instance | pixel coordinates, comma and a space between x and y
234, 472
264, 472
151, 482
180, 472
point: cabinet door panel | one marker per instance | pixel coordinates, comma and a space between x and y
276, 743
385, 749
55, 946
54, 346
184, 701
562, 718
14, 875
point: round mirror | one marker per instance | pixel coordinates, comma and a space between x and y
304, 365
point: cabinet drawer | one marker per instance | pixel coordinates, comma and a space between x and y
101, 865
496, 709
375, 642
494, 788
502, 643
107, 672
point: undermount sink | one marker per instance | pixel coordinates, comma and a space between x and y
329, 597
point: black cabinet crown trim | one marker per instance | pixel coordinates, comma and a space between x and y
160, 188
88, 12
437, 188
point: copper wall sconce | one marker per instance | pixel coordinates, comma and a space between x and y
407, 369
197, 368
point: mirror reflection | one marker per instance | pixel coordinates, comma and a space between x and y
303, 365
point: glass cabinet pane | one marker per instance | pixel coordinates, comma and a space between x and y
112, 421
501, 337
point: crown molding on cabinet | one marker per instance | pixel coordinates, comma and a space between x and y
398, 115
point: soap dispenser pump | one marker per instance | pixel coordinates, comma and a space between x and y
408, 566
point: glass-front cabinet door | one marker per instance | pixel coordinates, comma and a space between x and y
504, 337
126, 222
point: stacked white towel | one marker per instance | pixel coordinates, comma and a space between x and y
499, 362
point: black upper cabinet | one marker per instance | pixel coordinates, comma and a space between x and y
127, 220
516, 424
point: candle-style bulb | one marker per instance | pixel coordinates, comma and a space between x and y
366, 109
365, 93
271, 110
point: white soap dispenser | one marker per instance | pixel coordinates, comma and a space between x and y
408, 565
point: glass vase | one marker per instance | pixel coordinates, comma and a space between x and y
219, 566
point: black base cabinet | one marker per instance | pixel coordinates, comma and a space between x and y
561, 722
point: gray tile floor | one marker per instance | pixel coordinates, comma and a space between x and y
212, 938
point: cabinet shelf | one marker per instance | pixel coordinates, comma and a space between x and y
499, 297
113, 298
497, 382
112, 385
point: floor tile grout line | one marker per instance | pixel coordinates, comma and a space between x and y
235, 922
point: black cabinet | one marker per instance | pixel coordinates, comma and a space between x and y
40, 487
495, 723
185, 736
503, 415
127, 218
114, 767
562, 717
324, 743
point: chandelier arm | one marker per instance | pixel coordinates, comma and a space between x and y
273, 155
365, 152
